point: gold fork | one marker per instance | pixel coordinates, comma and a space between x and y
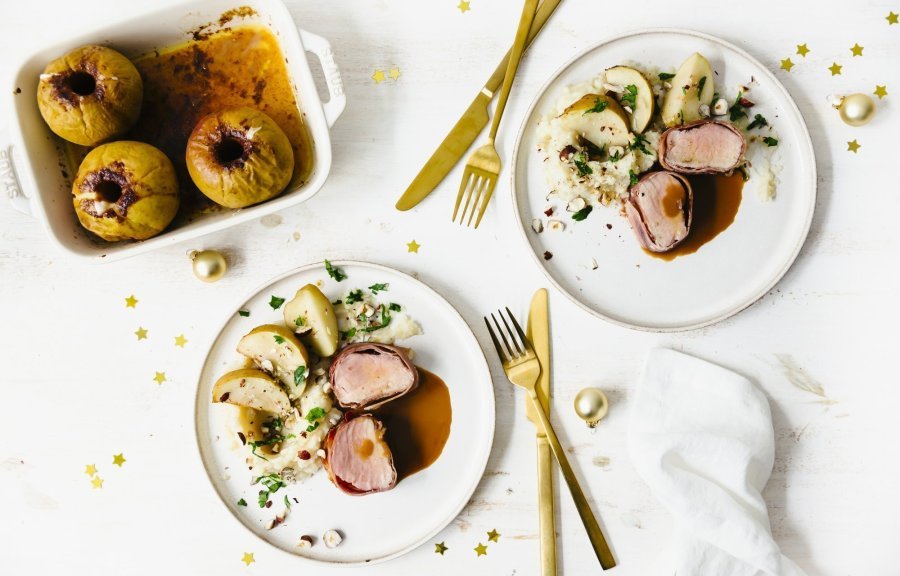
523, 369
483, 166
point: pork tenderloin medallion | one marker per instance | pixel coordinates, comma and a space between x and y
659, 209
702, 147
358, 460
366, 375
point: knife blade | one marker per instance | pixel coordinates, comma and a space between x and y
468, 127
538, 332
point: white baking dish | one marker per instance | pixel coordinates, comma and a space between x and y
31, 168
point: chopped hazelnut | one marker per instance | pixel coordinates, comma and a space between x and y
537, 225
332, 538
305, 542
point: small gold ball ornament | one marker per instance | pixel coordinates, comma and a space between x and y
209, 265
591, 405
855, 109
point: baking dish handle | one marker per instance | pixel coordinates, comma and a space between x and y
321, 48
11, 183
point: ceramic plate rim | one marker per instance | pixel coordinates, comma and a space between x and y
806, 151
480, 360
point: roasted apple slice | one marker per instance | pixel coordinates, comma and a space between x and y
636, 92
311, 315
366, 375
252, 389
358, 459
597, 118
276, 350
692, 86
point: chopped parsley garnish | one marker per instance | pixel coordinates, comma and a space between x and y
354, 296
241, 502
385, 320
770, 141
278, 339
736, 112
599, 106
298, 321
376, 288
276, 302
300, 376
394, 307
630, 96
639, 143
244, 313
701, 84
335, 273
337, 302
287, 502
313, 417
580, 161
594, 152
632, 178
665, 76
275, 438
615, 157
758, 122
582, 214
348, 334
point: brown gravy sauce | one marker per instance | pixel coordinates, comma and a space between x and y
241, 66
717, 199
418, 424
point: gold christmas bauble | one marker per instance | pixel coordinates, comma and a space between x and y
209, 265
591, 405
856, 109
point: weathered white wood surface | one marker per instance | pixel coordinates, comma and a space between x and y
77, 385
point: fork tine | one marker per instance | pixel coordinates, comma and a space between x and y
500, 353
473, 183
462, 190
485, 181
509, 350
484, 202
519, 331
509, 330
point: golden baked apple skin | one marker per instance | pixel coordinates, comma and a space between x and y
91, 95
125, 191
239, 157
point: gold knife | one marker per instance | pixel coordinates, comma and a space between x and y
538, 331
467, 128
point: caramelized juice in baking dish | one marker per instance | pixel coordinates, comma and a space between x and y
241, 66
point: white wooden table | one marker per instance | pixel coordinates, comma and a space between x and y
77, 385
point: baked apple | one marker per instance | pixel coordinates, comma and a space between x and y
90, 95
125, 191
239, 157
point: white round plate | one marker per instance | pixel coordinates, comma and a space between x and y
380, 526
726, 275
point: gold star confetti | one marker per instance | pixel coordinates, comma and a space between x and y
786, 64
378, 76
248, 558
892, 18
493, 536
463, 6
97, 483
119, 459
394, 73
439, 548
131, 302
141, 333
160, 377
856, 50
880, 91
90, 470
480, 550
180, 341
853, 146
413, 247
835, 69
802, 50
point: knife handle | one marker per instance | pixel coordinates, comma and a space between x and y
545, 507
595, 535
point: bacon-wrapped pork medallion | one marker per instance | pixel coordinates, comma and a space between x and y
703, 147
659, 209
366, 375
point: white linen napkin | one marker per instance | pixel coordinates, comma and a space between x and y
701, 437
